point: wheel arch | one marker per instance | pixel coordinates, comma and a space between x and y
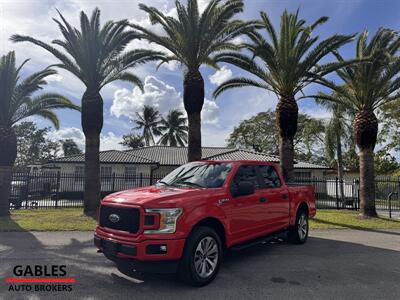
303, 206
215, 224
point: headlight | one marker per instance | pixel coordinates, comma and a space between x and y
168, 217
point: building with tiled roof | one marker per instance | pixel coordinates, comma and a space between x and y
160, 160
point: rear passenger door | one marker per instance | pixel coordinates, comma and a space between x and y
276, 199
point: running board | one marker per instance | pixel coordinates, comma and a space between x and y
261, 240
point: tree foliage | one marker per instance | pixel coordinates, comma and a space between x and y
70, 147
193, 38
17, 101
385, 163
259, 133
132, 141
33, 145
148, 120
174, 129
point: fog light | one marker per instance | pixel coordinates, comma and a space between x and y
156, 249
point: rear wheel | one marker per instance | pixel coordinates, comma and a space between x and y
201, 258
298, 234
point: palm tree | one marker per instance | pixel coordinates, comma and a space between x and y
289, 62
366, 87
174, 128
17, 103
337, 135
192, 39
149, 122
95, 55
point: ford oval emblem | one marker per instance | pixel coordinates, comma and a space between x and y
114, 218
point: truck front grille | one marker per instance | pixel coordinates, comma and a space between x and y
120, 218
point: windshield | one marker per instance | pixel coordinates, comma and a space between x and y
202, 175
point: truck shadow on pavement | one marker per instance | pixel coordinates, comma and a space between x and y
320, 262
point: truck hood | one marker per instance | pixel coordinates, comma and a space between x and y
154, 197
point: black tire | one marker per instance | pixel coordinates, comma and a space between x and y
200, 236
298, 233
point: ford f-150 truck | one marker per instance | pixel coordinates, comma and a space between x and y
185, 222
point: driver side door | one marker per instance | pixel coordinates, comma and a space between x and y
243, 211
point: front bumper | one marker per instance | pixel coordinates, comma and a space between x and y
143, 256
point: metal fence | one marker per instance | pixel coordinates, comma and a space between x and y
345, 194
55, 189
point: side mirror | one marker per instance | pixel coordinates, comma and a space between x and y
245, 188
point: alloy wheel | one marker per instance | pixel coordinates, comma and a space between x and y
206, 257
302, 227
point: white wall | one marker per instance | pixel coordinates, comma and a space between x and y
69, 182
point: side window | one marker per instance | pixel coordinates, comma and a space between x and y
244, 173
270, 177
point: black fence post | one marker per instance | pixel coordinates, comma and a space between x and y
141, 180
26, 192
337, 193
358, 193
113, 183
151, 176
57, 188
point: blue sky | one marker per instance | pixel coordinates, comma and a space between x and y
164, 87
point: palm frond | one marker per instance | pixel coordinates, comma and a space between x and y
94, 54
237, 83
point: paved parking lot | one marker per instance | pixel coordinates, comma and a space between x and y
334, 264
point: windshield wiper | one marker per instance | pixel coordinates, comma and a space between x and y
163, 182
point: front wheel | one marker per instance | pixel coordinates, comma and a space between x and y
298, 234
201, 258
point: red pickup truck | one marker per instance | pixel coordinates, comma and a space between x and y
185, 222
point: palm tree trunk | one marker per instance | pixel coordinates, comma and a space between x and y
92, 123
340, 167
365, 126
8, 154
367, 183
193, 99
286, 119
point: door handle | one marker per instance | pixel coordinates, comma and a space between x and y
263, 200
285, 196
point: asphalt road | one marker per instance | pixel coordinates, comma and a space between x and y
334, 264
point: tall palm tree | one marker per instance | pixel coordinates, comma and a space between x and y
95, 55
17, 102
289, 61
366, 87
337, 135
148, 121
174, 128
192, 39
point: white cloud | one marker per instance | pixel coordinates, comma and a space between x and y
108, 141
220, 76
210, 112
160, 95
54, 77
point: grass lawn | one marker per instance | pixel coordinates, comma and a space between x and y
47, 220
73, 219
332, 218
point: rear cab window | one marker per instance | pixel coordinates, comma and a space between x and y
270, 177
